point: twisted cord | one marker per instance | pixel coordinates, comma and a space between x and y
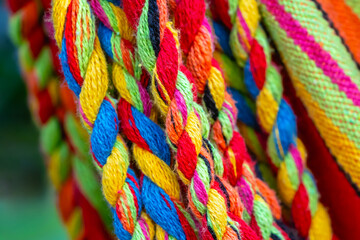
197, 43
254, 137
51, 111
211, 200
160, 188
250, 130
85, 70
296, 184
246, 114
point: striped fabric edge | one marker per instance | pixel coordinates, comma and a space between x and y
310, 83
344, 22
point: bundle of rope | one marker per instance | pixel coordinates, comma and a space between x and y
295, 183
213, 201
80, 203
173, 95
119, 48
195, 179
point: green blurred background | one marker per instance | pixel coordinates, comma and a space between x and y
27, 200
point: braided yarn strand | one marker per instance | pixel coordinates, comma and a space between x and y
54, 113
160, 190
85, 70
296, 184
210, 198
197, 43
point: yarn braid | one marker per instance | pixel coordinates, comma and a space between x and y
196, 43
160, 187
54, 113
85, 70
296, 184
250, 130
211, 200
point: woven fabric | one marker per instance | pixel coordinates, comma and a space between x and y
344, 22
354, 5
324, 75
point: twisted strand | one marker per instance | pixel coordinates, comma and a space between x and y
53, 113
296, 184
85, 70
196, 43
211, 200
160, 187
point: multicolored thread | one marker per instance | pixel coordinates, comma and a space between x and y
197, 45
160, 190
61, 139
85, 70
211, 200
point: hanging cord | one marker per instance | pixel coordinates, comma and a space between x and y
85, 71
295, 183
160, 190
214, 202
54, 113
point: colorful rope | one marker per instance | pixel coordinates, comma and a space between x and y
296, 185
160, 188
325, 77
53, 111
85, 70
197, 43
211, 200
143, 47
250, 130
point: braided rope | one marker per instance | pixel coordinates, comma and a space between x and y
52, 109
196, 43
250, 130
211, 200
296, 185
85, 70
160, 187
255, 138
